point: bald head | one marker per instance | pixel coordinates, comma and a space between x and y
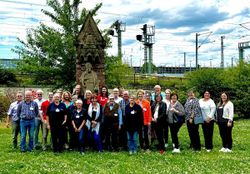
28, 96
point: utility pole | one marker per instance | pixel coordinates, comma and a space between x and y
148, 40
232, 62
184, 61
196, 51
222, 52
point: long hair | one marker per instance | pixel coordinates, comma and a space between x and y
107, 93
221, 102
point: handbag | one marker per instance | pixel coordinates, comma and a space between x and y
198, 119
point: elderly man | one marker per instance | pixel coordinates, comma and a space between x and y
15, 122
38, 122
112, 122
27, 111
158, 91
116, 95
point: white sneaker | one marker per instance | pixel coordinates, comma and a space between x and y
208, 150
130, 152
222, 149
176, 150
166, 145
228, 150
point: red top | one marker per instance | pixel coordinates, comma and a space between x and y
44, 108
102, 100
146, 111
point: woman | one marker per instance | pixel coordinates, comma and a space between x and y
207, 110
159, 120
225, 114
56, 123
133, 123
78, 92
147, 118
93, 123
192, 112
87, 100
66, 99
167, 101
103, 96
175, 120
79, 116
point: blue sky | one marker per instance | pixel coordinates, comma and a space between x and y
176, 23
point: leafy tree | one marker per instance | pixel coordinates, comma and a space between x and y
144, 68
7, 77
117, 73
49, 53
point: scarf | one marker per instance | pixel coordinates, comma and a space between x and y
88, 123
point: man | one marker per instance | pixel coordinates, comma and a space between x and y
116, 95
43, 117
158, 91
27, 111
112, 122
38, 123
15, 122
123, 134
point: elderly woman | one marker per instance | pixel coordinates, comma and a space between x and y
159, 120
208, 110
133, 123
175, 120
57, 117
193, 114
225, 115
93, 123
78, 117
87, 100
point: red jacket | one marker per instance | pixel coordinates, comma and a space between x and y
147, 115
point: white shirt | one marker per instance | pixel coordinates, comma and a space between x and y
156, 112
228, 111
208, 108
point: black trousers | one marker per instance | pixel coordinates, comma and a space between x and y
208, 130
143, 137
123, 142
226, 135
159, 128
112, 134
193, 131
58, 138
174, 129
166, 128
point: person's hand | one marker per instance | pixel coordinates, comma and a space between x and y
7, 124
190, 121
78, 130
119, 128
208, 120
48, 126
229, 123
75, 129
63, 123
94, 124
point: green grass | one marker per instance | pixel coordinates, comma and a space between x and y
12, 161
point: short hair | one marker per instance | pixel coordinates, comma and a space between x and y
115, 90
28, 91
87, 91
175, 95
79, 101
125, 92
39, 91
56, 95
168, 90
158, 95
157, 86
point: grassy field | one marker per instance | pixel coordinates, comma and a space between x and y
12, 161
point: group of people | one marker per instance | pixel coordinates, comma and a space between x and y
100, 121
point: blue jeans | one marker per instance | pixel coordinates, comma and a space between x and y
97, 139
38, 124
132, 140
81, 140
30, 126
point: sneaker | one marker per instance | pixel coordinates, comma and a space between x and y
208, 150
134, 152
130, 152
176, 150
147, 151
222, 149
82, 153
228, 150
162, 151
166, 145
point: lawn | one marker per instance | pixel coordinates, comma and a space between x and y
12, 161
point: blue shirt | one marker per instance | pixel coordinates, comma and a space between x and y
12, 112
123, 104
27, 110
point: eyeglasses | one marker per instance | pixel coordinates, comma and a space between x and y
19, 96
39, 94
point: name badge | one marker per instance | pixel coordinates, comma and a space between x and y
221, 107
31, 108
115, 115
133, 112
57, 110
145, 109
77, 116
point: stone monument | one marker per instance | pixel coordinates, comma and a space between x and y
90, 69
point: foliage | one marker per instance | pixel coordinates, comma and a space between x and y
49, 53
117, 73
7, 77
144, 68
13, 161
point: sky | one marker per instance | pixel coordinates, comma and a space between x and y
176, 24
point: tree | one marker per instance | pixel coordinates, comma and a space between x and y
144, 68
117, 73
7, 77
49, 53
